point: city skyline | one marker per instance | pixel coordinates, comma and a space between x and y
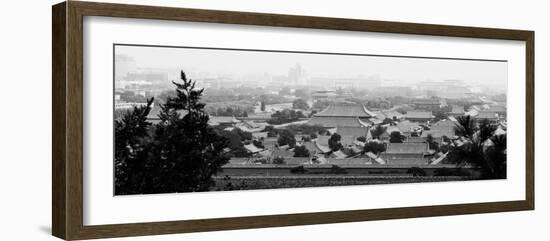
404, 70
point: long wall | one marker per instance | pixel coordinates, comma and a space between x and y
270, 182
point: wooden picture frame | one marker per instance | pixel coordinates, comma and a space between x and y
67, 124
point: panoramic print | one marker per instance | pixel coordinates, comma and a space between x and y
191, 119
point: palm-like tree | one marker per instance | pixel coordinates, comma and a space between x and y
480, 147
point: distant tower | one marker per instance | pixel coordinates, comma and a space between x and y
297, 75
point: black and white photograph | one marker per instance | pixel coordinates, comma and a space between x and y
198, 119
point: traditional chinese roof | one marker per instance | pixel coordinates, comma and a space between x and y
333, 121
407, 148
497, 108
406, 126
217, 120
457, 110
252, 148
418, 115
439, 133
352, 131
259, 135
346, 110
338, 155
426, 102
486, 115
376, 158
251, 127
322, 148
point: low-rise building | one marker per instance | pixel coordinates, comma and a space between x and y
407, 153
419, 116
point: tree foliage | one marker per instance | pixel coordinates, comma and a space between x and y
285, 116
286, 137
396, 137
375, 147
378, 131
334, 142
301, 151
180, 154
300, 104
480, 147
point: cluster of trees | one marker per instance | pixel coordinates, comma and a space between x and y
301, 151
312, 130
375, 147
230, 111
179, 154
378, 131
236, 138
285, 116
300, 104
334, 142
396, 137
286, 137
237, 108
270, 99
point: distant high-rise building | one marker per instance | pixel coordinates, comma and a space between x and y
297, 75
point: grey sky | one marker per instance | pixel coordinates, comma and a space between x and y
408, 70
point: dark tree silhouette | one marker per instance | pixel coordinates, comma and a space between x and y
334, 142
432, 143
377, 131
480, 147
286, 137
301, 151
183, 152
396, 137
465, 126
131, 148
262, 105
375, 147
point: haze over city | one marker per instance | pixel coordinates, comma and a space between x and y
239, 64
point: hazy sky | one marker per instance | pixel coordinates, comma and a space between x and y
240, 62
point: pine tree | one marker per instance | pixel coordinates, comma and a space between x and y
131, 146
188, 150
180, 155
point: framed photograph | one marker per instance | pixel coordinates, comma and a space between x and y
171, 120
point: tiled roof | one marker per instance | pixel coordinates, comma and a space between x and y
322, 148
406, 126
419, 115
338, 155
426, 102
346, 110
444, 124
439, 133
457, 109
383, 114
486, 115
352, 131
406, 148
332, 121
216, 120
259, 135
252, 148
497, 108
